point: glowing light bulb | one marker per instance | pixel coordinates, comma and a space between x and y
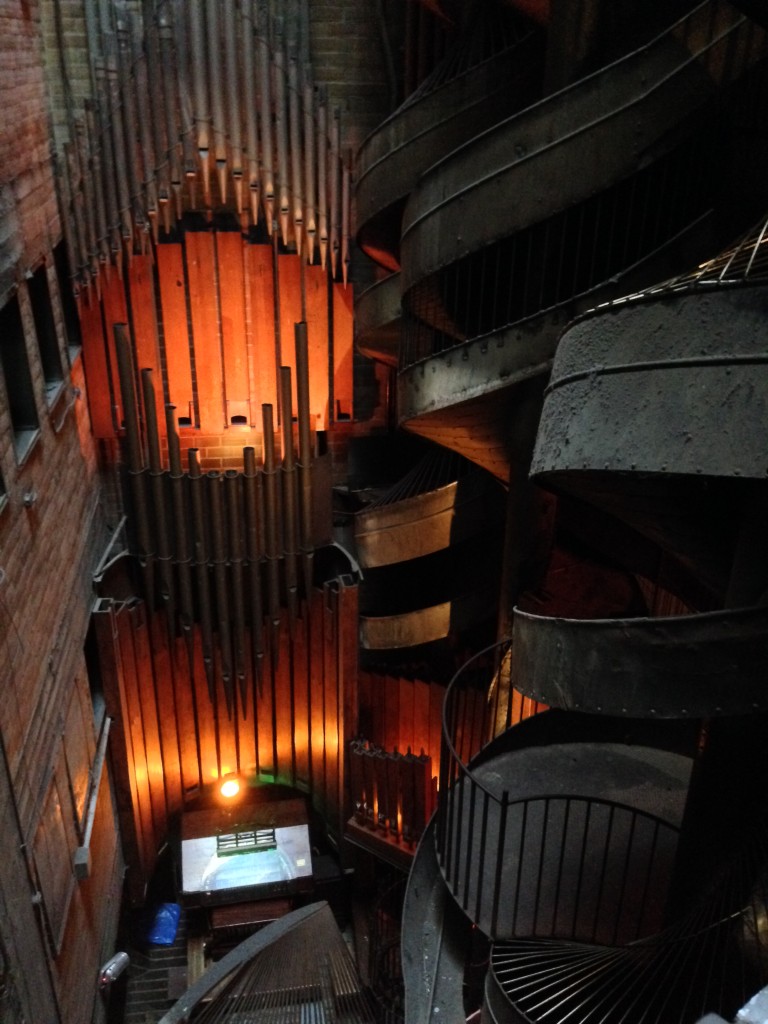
229, 786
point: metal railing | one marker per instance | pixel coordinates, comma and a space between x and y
548, 865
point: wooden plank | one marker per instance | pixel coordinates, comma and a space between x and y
96, 370
316, 287
201, 275
343, 353
135, 732
144, 314
170, 732
436, 697
391, 709
229, 251
173, 305
316, 689
364, 715
406, 733
301, 669
265, 731
115, 312
421, 730
261, 283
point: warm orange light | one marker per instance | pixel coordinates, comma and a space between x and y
229, 786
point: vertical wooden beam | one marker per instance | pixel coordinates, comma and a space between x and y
343, 353
229, 251
144, 313
201, 274
173, 304
96, 364
264, 368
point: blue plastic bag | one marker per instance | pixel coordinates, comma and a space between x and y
165, 923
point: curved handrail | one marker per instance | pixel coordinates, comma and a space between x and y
504, 859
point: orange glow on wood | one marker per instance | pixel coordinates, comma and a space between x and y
115, 312
262, 326
229, 248
96, 370
145, 326
201, 273
343, 351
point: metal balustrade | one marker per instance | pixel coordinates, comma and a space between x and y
561, 865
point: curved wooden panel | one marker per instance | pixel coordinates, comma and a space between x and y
425, 625
424, 523
691, 666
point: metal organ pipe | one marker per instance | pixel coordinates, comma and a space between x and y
136, 475
186, 127
305, 452
253, 501
217, 96
265, 122
322, 177
234, 124
220, 580
281, 129
272, 519
234, 502
202, 113
249, 98
289, 498
181, 534
171, 122
310, 197
199, 522
334, 188
157, 477
294, 120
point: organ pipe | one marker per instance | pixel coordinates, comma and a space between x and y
249, 99
169, 105
310, 197
294, 106
289, 498
305, 451
181, 534
234, 123
219, 552
217, 96
281, 130
202, 113
272, 518
232, 490
334, 189
199, 521
322, 178
157, 478
253, 501
265, 121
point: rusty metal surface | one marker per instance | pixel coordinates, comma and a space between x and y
673, 386
377, 321
559, 151
678, 667
423, 131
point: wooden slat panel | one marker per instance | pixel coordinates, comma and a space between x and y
365, 716
261, 284
226, 728
173, 304
170, 732
391, 709
247, 721
152, 746
436, 695
316, 285
316, 689
201, 274
330, 696
407, 734
134, 728
421, 730
343, 352
264, 712
182, 708
229, 249
301, 700
96, 370
144, 314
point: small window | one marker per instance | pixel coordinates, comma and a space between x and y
45, 327
68, 303
18, 379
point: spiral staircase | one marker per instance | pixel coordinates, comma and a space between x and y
603, 822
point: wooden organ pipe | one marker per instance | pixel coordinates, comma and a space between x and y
310, 195
202, 112
234, 122
305, 452
157, 478
136, 472
290, 532
272, 519
281, 130
200, 543
249, 44
234, 501
294, 122
181, 535
254, 550
219, 552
